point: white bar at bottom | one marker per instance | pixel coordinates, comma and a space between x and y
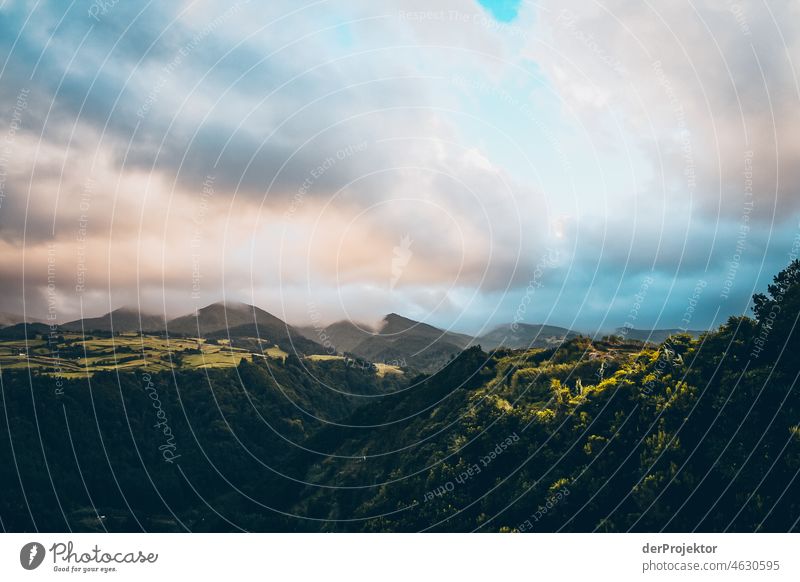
405, 557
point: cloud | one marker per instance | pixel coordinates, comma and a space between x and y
629, 138
701, 87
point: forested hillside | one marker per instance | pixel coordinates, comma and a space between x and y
693, 434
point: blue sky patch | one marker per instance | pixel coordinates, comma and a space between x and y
502, 10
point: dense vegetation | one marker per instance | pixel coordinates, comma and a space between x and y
693, 434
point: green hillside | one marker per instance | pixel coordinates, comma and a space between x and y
689, 435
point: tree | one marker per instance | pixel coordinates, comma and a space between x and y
777, 315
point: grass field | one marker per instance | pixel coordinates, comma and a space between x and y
384, 369
380, 369
74, 355
324, 358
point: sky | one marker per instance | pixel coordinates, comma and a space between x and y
582, 164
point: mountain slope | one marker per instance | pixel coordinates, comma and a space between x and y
411, 344
340, 337
135, 483
220, 317
244, 323
21, 331
7, 319
543, 440
591, 436
524, 335
121, 320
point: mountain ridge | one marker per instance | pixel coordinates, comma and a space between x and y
121, 319
395, 337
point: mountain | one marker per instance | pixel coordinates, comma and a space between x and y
342, 336
240, 320
408, 343
592, 435
223, 317
524, 336
121, 320
7, 319
653, 336
21, 331
577, 434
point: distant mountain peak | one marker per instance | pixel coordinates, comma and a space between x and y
394, 323
227, 316
7, 318
124, 318
396, 317
233, 305
524, 335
